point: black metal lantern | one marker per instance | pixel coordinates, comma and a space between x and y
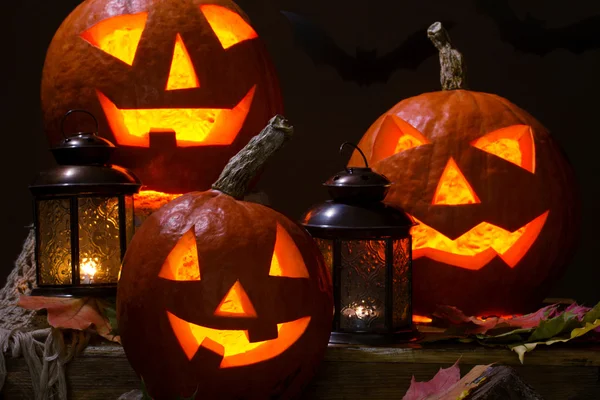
84, 218
367, 247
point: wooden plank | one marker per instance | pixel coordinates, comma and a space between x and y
557, 354
349, 372
386, 381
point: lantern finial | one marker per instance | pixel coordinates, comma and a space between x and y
357, 149
82, 148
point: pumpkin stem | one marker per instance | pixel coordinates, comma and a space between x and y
245, 165
452, 74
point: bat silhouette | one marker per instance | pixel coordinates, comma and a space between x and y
532, 36
365, 67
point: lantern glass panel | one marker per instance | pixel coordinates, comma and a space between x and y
54, 244
99, 242
362, 284
326, 247
129, 219
401, 310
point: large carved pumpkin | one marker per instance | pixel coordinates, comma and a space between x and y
227, 298
493, 194
179, 86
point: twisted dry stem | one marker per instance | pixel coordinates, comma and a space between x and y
453, 69
245, 165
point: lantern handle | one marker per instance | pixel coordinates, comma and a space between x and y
62, 121
358, 149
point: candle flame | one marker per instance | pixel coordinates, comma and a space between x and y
88, 267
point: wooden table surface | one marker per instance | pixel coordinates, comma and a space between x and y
562, 372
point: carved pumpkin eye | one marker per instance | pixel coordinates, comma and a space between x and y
395, 136
287, 260
182, 262
513, 144
118, 36
229, 27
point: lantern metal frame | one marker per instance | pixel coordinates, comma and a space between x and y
357, 213
83, 172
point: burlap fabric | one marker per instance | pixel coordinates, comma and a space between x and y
25, 333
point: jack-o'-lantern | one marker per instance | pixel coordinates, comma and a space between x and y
224, 297
493, 194
180, 86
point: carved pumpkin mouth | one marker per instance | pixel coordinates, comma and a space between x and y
234, 345
475, 248
192, 126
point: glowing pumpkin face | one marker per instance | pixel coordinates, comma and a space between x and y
492, 193
223, 291
182, 84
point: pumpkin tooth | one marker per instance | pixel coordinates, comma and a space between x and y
475, 248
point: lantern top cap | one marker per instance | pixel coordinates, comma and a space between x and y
83, 168
357, 210
82, 148
357, 185
332, 219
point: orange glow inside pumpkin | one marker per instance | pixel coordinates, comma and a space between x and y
421, 319
182, 262
229, 26
395, 135
233, 345
287, 260
192, 126
514, 144
453, 188
236, 303
503, 316
182, 74
118, 36
475, 248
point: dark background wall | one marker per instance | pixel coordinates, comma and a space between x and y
559, 88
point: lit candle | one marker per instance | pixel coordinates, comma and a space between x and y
366, 311
88, 269
362, 314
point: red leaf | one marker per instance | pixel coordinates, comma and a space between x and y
70, 313
441, 382
473, 325
533, 320
578, 310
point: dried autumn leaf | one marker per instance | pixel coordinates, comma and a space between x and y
446, 384
533, 319
564, 322
71, 313
523, 348
461, 324
440, 383
463, 387
592, 315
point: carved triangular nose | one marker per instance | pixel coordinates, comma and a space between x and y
236, 303
453, 188
182, 74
